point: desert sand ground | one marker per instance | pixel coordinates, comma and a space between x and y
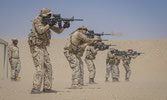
148, 80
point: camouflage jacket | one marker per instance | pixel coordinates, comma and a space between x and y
38, 35
90, 53
127, 58
112, 58
77, 43
13, 52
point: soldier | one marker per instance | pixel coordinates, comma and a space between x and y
91, 53
14, 59
126, 61
112, 62
38, 40
73, 51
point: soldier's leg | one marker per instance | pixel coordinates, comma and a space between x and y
38, 58
74, 64
18, 68
13, 65
115, 72
47, 72
93, 72
81, 80
91, 69
108, 70
128, 71
76, 75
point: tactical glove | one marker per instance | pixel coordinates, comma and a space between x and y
66, 25
51, 23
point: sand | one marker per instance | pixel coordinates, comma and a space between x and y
148, 80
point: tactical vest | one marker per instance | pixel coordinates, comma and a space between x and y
117, 61
126, 59
90, 55
14, 52
72, 47
36, 39
110, 60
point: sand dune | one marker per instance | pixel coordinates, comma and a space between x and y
148, 80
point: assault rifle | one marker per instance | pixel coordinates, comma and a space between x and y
117, 52
103, 46
57, 18
92, 34
137, 53
133, 53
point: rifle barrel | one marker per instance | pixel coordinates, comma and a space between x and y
106, 34
78, 19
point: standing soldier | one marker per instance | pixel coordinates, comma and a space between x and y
91, 53
126, 61
13, 54
112, 62
38, 40
73, 51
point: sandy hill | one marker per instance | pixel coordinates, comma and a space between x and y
148, 80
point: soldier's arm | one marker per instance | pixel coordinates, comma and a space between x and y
84, 45
94, 50
110, 55
133, 56
10, 53
119, 57
85, 39
56, 29
40, 28
87, 51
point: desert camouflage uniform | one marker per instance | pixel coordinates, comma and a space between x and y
126, 59
112, 63
38, 41
73, 51
91, 53
13, 54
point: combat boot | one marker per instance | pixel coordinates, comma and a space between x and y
90, 80
93, 81
106, 80
13, 79
18, 78
76, 87
127, 79
82, 84
49, 91
35, 91
115, 79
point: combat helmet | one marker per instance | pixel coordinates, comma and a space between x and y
14, 39
130, 50
83, 28
45, 11
112, 49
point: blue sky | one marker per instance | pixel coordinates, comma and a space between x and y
136, 19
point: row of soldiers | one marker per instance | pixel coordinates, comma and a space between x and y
39, 39
114, 56
112, 61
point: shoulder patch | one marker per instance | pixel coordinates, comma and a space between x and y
37, 20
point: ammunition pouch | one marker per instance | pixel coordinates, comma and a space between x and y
91, 57
33, 39
38, 40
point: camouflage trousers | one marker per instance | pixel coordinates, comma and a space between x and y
76, 64
43, 68
128, 70
15, 67
113, 69
91, 68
